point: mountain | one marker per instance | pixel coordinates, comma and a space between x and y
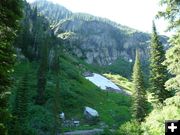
94, 39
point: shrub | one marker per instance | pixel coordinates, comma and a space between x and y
154, 124
130, 128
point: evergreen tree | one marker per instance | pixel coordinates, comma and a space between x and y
20, 110
171, 13
41, 75
56, 101
10, 13
21, 100
173, 63
158, 72
139, 94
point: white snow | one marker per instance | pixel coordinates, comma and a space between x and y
130, 60
102, 82
91, 111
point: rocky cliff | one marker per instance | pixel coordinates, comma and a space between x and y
96, 40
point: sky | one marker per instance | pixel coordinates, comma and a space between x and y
137, 14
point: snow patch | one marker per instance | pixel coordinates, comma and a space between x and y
102, 82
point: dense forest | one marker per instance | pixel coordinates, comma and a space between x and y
49, 56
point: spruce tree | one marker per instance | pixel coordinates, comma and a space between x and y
41, 74
158, 72
21, 99
173, 64
20, 110
56, 101
139, 93
171, 13
10, 14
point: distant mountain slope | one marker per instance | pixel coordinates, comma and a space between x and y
94, 39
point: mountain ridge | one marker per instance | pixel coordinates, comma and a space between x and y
95, 39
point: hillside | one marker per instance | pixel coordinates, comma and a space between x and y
74, 93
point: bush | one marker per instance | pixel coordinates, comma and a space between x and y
41, 120
154, 124
130, 128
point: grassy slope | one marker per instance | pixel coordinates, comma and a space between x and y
75, 93
120, 81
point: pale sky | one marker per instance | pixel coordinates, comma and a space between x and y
137, 14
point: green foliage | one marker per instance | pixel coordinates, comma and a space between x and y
158, 72
130, 128
154, 123
9, 20
171, 13
21, 99
56, 104
139, 108
33, 33
121, 67
120, 81
18, 124
42, 71
172, 63
40, 120
73, 95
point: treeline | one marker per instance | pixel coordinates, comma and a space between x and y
35, 40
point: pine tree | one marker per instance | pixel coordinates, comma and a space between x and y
139, 94
56, 101
173, 63
10, 14
21, 100
41, 74
171, 13
158, 72
20, 110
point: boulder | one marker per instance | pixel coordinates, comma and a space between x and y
87, 74
62, 116
90, 113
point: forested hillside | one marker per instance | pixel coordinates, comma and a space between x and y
53, 63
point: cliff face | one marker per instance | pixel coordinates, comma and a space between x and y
95, 39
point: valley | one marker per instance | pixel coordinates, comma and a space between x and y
64, 72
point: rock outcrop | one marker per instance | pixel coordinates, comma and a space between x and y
96, 40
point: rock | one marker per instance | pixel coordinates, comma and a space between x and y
87, 74
76, 123
98, 41
103, 125
62, 116
110, 89
113, 90
90, 113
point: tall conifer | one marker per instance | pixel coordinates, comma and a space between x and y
41, 74
56, 101
158, 72
10, 13
20, 110
171, 14
139, 93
